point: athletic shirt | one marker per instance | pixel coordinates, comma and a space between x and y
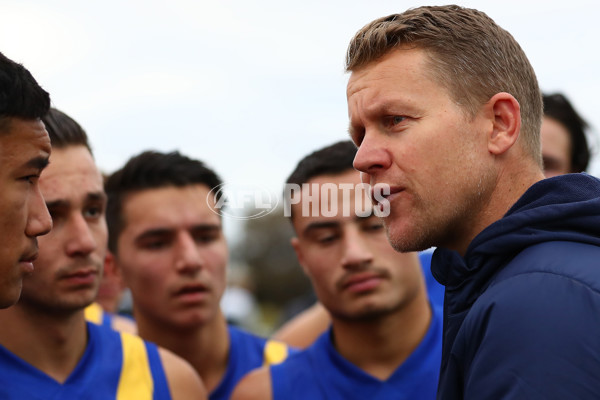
320, 372
94, 313
114, 365
435, 291
247, 352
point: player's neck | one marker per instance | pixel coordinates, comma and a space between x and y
205, 347
50, 342
379, 346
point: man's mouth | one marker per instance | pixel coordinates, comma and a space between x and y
361, 282
26, 261
381, 195
29, 258
192, 292
83, 276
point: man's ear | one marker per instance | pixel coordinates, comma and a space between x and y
298, 249
111, 268
505, 112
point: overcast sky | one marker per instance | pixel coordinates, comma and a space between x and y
250, 87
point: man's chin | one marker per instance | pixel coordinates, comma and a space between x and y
367, 313
406, 238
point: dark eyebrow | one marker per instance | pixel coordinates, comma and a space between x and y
168, 231
57, 203
333, 224
364, 220
38, 163
206, 227
360, 219
313, 226
96, 196
153, 233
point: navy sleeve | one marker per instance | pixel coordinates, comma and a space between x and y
533, 336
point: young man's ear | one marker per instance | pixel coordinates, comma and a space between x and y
111, 269
296, 245
505, 113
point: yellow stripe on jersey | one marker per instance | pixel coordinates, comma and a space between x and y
94, 313
136, 377
275, 352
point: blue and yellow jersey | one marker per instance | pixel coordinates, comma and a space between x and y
114, 365
247, 352
321, 373
94, 313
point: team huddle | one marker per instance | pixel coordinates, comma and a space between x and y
462, 264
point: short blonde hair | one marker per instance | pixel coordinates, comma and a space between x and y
469, 54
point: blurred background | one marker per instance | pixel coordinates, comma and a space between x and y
250, 87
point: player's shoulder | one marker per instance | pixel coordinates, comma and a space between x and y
183, 380
256, 385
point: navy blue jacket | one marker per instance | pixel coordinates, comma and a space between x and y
522, 308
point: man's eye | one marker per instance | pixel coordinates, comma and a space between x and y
154, 244
31, 179
325, 239
395, 120
206, 238
55, 214
93, 212
374, 227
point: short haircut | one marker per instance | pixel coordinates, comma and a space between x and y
331, 160
558, 107
64, 131
151, 170
467, 53
20, 94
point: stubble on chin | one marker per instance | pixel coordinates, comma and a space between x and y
445, 223
367, 314
405, 236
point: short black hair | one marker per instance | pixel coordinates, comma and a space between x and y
64, 131
558, 107
333, 159
20, 94
151, 170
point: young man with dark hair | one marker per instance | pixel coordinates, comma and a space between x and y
564, 144
446, 110
168, 242
65, 132
24, 152
385, 337
47, 349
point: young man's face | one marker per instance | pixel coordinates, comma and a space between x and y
69, 268
173, 256
24, 151
556, 148
355, 272
412, 136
